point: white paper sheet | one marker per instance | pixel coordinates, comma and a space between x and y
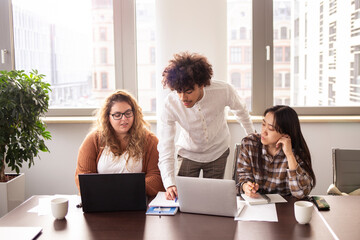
19, 233
160, 201
264, 212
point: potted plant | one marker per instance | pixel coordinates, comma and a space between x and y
23, 100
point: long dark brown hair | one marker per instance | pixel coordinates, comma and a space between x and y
286, 121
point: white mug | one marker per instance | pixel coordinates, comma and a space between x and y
59, 207
303, 211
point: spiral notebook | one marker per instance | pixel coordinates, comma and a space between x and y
260, 199
264, 199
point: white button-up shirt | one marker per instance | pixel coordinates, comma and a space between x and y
204, 134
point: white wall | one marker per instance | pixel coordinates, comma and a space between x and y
54, 173
177, 30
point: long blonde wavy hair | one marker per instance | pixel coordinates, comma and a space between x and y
136, 136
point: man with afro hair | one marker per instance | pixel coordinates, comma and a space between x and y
197, 104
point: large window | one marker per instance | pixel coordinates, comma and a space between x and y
304, 53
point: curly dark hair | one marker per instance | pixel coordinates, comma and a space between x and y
186, 70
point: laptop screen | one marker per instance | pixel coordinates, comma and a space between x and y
207, 196
112, 192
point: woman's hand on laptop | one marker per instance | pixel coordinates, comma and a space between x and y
250, 189
171, 193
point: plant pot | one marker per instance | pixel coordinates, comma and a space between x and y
12, 193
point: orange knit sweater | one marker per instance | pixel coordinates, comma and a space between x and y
90, 152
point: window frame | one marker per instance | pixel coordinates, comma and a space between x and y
6, 39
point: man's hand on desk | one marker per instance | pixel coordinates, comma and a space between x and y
171, 193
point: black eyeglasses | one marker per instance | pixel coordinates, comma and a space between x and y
118, 115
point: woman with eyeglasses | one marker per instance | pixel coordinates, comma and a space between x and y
121, 143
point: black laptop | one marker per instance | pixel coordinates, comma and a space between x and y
112, 192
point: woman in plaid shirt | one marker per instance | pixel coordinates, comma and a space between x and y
277, 160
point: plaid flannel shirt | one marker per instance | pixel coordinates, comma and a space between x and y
277, 178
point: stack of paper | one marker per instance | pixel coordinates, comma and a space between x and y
258, 212
264, 212
160, 206
161, 201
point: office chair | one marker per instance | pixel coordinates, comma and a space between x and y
346, 169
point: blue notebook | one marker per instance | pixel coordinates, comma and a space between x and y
162, 211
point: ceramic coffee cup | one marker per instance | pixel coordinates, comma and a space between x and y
303, 211
59, 207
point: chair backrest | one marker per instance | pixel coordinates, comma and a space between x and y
346, 169
236, 155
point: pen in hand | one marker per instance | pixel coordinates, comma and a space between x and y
252, 188
176, 198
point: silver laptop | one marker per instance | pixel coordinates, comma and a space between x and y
207, 196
